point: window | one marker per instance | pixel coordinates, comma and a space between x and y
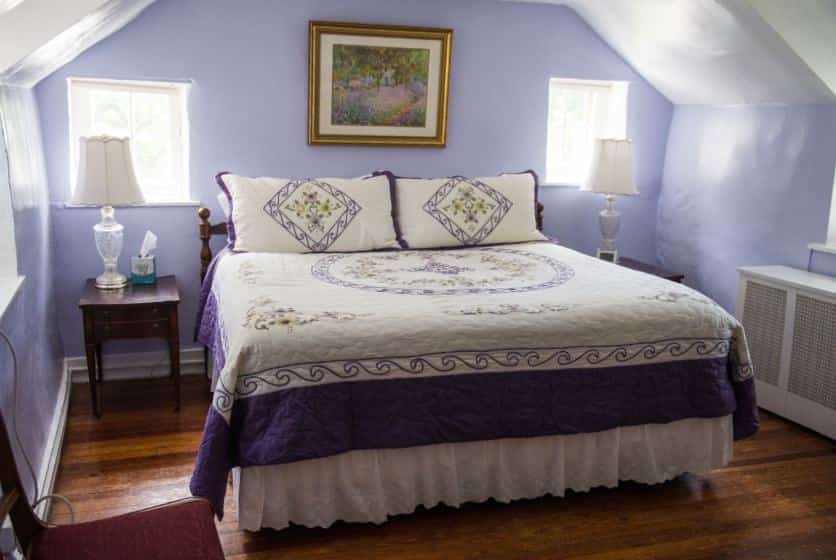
9, 280
8, 252
152, 114
579, 112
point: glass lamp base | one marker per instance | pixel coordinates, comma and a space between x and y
609, 220
108, 235
111, 281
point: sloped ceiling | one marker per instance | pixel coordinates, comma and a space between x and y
27, 25
721, 52
39, 36
706, 52
809, 27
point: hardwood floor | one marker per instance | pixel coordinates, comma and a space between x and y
777, 500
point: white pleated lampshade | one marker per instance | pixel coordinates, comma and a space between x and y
106, 172
612, 168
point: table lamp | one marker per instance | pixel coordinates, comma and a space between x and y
106, 178
611, 173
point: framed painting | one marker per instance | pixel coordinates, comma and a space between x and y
378, 84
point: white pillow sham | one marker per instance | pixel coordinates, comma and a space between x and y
456, 211
269, 214
223, 202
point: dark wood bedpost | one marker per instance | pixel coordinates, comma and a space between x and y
207, 230
205, 235
538, 216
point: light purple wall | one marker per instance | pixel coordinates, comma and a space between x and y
31, 319
747, 185
248, 62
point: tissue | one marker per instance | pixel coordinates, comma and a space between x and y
149, 243
144, 266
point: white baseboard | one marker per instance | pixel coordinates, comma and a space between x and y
50, 460
116, 366
54, 444
136, 365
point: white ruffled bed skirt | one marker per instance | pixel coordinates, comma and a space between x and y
370, 485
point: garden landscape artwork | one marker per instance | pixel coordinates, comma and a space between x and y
379, 86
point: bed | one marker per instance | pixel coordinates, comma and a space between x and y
356, 386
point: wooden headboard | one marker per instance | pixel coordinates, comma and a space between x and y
208, 229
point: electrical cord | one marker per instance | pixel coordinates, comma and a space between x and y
38, 499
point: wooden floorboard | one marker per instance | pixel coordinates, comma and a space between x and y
776, 500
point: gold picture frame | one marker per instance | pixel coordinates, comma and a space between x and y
378, 85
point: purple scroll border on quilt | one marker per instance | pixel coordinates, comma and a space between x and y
392, 413
693, 388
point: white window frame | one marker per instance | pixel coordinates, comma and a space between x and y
609, 122
831, 223
831, 226
10, 280
829, 246
78, 106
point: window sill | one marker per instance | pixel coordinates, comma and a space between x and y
566, 184
9, 286
823, 247
185, 203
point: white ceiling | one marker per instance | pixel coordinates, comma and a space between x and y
26, 25
809, 27
708, 52
719, 52
39, 36
6, 5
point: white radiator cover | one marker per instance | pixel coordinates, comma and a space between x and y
790, 320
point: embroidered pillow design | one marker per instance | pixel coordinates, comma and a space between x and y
469, 209
314, 212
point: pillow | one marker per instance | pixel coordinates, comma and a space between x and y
309, 215
223, 202
456, 211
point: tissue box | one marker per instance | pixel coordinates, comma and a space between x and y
143, 270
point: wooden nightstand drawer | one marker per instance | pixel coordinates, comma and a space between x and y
130, 329
135, 311
138, 313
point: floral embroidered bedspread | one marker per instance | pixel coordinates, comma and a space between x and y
318, 354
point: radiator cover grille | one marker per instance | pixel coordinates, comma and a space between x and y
763, 319
813, 361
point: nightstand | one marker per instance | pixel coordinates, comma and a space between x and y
131, 312
633, 264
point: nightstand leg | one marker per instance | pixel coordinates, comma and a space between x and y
99, 368
93, 376
174, 353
